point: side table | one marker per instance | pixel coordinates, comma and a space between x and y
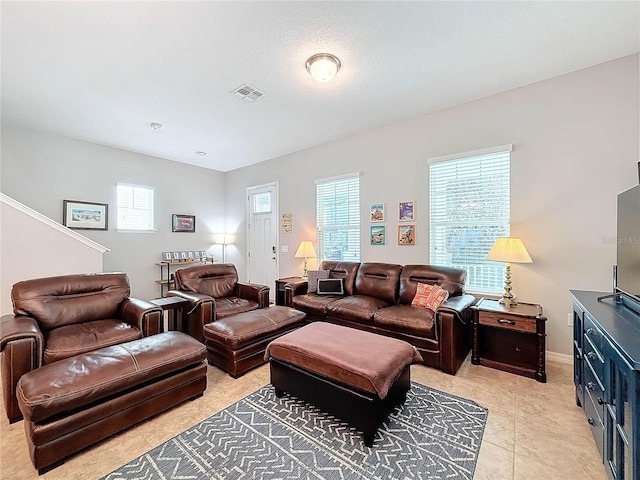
174, 305
280, 283
510, 338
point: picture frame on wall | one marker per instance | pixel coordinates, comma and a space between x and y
183, 223
406, 211
81, 215
406, 234
378, 235
377, 212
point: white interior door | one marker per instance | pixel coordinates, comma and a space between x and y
262, 252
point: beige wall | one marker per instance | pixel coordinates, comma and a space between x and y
575, 143
41, 170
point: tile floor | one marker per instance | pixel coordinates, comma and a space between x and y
534, 430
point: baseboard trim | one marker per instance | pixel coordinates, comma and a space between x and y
559, 357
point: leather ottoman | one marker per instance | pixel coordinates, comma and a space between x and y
355, 375
73, 403
237, 343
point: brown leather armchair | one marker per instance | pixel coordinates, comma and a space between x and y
213, 292
60, 317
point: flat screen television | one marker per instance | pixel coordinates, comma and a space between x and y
628, 256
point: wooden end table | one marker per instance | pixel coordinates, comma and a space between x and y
174, 305
510, 338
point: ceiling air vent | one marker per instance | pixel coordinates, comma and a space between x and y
248, 93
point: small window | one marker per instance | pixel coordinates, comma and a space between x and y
262, 202
135, 208
338, 218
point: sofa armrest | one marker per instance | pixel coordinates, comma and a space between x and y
453, 331
200, 311
255, 292
459, 305
22, 347
142, 314
292, 289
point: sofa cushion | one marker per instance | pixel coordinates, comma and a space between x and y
429, 296
312, 279
345, 270
378, 280
71, 340
407, 319
313, 303
449, 278
356, 308
233, 305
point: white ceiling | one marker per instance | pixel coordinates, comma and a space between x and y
103, 71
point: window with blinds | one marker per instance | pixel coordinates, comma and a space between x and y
135, 208
469, 198
338, 218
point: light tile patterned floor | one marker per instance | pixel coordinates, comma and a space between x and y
534, 430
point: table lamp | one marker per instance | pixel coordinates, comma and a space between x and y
306, 251
508, 250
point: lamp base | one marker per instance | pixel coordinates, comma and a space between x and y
508, 300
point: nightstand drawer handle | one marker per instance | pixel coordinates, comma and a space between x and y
504, 321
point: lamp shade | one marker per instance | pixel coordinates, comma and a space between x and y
323, 67
306, 250
510, 250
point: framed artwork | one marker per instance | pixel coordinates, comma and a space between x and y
85, 215
183, 255
183, 223
377, 212
196, 254
378, 235
406, 234
190, 255
203, 254
406, 211
166, 256
176, 256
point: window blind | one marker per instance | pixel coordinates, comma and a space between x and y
469, 208
135, 207
338, 219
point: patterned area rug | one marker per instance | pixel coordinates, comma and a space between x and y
434, 435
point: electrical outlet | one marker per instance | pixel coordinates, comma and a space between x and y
570, 319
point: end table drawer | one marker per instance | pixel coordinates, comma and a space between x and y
510, 322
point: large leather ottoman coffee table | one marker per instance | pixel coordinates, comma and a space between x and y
237, 343
73, 403
358, 376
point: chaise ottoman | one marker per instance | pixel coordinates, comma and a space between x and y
355, 375
236, 343
73, 403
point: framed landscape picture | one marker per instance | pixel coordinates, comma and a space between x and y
183, 223
377, 212
406, 211
378, 235
85, 215
406, 234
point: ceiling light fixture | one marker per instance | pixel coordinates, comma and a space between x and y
201, 153
155, 125
323, 67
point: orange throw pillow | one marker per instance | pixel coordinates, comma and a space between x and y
429, 296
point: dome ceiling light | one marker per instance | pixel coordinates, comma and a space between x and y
323, 67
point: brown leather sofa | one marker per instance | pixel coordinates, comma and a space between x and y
59, 317
377, 298
214, 292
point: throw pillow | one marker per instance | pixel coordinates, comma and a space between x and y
429, 296
312, 279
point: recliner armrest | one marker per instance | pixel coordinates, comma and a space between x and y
293, 289
142, 314
22, 347
200, 311
253, 291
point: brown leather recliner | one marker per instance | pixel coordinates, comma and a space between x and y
214, 292
59, 317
